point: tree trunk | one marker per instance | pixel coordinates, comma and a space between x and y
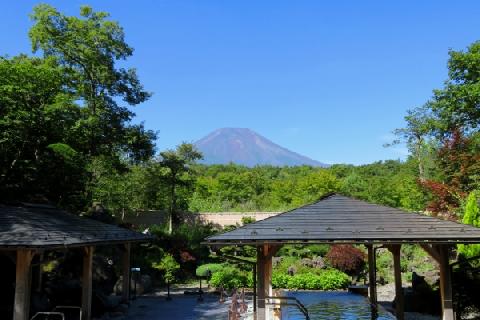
172, 205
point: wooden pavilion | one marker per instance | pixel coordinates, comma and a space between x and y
27, 231
338, 219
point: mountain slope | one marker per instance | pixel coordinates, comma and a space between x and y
246, 147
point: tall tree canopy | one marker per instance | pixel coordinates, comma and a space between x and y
62, 118
88, 48
37, 131
450, 123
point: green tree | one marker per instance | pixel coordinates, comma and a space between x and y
178, 163
457, 105
416, 135
38, 128
88, 48
169, 266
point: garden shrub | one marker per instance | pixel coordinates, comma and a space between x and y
327, 280
303, 251
346, 258
208, 269
333, 280
280, 280
471, 216
229, 278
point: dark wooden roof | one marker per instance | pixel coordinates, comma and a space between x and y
47, 227
336, 218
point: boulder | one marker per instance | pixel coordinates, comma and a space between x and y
140, 286
307, 262
318, 262
291, 270
276, 261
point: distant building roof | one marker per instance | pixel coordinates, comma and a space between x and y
39, 226
336, 218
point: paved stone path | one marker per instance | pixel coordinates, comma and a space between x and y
179, 308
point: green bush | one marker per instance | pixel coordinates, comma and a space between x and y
327, 280
280, 280
471, 216
334, 280
208, 269
229, 278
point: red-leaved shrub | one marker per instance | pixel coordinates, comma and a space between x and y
346, 258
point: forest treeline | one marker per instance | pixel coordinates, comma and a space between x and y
233, 187
67, 136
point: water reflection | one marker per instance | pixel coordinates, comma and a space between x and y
334, 305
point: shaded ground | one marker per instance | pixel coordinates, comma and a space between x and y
385, 296
181, 307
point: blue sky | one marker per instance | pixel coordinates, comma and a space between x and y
327, 79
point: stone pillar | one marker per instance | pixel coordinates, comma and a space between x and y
126, 273
87, 283
372, 276
23, 284
399, 298
445, 283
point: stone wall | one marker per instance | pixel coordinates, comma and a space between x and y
218, 218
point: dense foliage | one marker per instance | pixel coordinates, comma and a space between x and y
62, 113
346, 258
326, 280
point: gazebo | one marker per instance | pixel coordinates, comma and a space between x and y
28, 230
337, 219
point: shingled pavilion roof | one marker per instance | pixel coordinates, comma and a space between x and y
337, 218
39, 226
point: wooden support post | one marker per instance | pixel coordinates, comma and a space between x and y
440, 254
126, 273
264, 278
255, 289
87, 283
261, 290
397, 269
23, 284
445, 283
372, 276
40, 273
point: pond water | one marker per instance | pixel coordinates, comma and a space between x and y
332, 306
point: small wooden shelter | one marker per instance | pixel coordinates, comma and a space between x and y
336, 219
29, 230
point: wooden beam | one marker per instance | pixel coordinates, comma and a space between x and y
372, 276
445, 283
87, 283
397, 269
432, 251
23, 284
126, 273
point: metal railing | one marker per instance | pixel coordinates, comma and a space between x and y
289, 301
58, 313
48, 316
69, 311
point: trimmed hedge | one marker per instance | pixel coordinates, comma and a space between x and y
230, 277
327, 280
